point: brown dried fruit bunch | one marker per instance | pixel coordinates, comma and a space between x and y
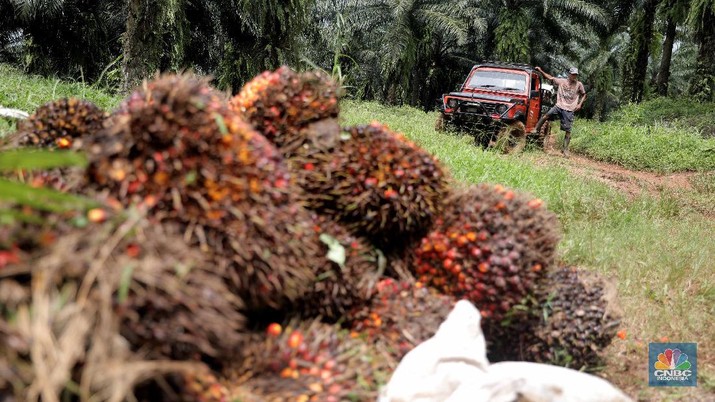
571, 318
491, 246
376, 182
401, 316
176, 146
345, 278
281, 102
318, 361
58, 123
176, 305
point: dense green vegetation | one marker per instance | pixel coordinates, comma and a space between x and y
394, 51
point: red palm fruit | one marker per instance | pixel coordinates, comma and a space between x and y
397, 309
58, 123
497, 237
281, 102
328, 364
355, 180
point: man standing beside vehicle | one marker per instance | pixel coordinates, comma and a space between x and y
569, 99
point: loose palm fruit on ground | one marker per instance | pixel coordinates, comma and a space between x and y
491, 246
346, 277
318, 360
570, 319
375, 181
401, 316
58, 123
279, 103
176, 146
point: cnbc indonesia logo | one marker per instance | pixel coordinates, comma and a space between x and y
670, 365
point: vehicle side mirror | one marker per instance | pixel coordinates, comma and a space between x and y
535, 94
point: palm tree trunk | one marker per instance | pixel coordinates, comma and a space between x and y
703, 85
664, 72
643, 51
142, 41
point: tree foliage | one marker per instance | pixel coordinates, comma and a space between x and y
395, 51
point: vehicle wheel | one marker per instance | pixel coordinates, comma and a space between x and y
439, 124
512, 138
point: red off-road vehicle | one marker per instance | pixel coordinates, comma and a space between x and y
499, 104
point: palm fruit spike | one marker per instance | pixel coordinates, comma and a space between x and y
174, 144
491, 247
401, 316
281, 102
346, 278
58, 123
571, 318
318, 360
376, 182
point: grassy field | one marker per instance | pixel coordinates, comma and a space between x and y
659, 253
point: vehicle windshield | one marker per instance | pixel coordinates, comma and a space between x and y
499, 80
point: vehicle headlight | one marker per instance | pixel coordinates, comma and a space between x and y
501, 108
452, 103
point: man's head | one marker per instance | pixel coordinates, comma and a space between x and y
573, 74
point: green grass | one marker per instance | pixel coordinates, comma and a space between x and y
683, 113
656, 148
659, 253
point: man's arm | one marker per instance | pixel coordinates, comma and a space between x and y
582, 97
546, 75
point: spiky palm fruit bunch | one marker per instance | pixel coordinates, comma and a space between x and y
375, 181
176, 305
401, 316
491, 246
174, 144
58, 123
571, 318
347, 275
279, 103
315, 361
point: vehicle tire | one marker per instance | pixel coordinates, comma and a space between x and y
546, 137
512, 138
439, 125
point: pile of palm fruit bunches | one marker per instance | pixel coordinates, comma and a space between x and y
244, 247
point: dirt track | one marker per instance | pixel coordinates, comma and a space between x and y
633, 183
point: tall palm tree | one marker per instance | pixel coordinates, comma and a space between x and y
154, 39
675, 12
636, 63
415, 37
702, 20
70, 38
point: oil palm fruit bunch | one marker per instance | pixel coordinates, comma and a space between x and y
313, 360
280, 103
346, 276
402, 315
58, 123
175, 304
570, 319
376, 182
491, 246
175, 145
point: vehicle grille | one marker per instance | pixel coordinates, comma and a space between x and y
482, 108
